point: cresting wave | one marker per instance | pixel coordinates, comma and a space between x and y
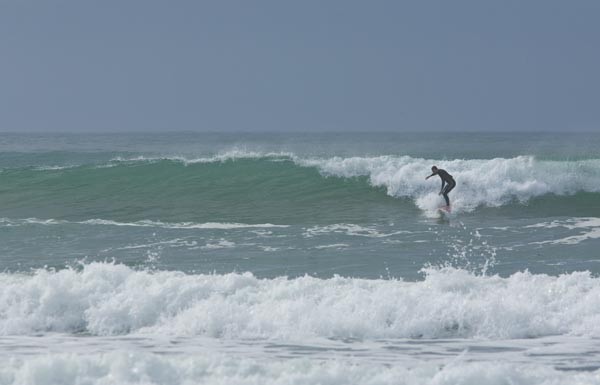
113, 299
136, 368
488, 182
480, 182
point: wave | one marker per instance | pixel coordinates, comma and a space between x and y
480, 182
285, 176
113, 299
145, 368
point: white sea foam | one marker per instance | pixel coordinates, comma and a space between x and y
489, 182
177, 242
333, 246
349, 229
224, 156
571, 223
590, 227
220, 244
268, 248
142, 223
111, 299
54, 168
575, 239
144, 368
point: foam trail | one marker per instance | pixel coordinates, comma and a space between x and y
591, 227
348, 229
143, 223
112, 299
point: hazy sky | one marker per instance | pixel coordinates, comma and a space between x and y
95, 65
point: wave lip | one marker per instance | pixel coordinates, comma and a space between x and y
225, 156
112, 299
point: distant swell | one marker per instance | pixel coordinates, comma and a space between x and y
112, 299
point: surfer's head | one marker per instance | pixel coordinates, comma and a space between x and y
434, 169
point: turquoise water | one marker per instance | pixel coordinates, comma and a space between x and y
288, 251
355, 205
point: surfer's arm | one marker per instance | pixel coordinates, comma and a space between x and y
442, 189
427, 177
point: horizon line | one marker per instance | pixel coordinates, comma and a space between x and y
267, 131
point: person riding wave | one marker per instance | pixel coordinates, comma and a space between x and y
448, 182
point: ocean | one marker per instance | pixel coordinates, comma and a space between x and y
278, 258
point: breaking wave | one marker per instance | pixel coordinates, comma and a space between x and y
113, 299
138, 368
480, 182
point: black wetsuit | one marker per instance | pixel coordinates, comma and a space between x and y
448, 181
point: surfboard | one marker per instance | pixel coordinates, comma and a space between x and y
445, 209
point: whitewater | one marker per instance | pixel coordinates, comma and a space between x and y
299, 259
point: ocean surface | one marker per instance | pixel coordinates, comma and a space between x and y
299, 259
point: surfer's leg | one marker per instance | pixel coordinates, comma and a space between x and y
445, 194
450, 187
447, 189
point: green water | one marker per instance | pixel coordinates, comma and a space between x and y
275, 204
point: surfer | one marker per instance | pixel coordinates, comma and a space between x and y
448, 182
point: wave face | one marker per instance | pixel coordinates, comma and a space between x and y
111, 299
249, 186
